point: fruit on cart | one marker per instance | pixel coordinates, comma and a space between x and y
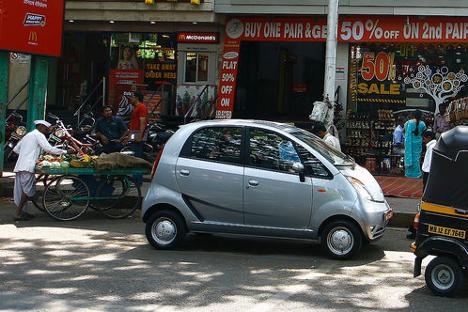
64, 164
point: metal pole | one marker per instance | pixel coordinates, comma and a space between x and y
4, 61
103, 91
37, 89
330, 58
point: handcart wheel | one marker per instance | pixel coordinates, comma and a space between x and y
117, 197
66, 198
109, 192
37, 199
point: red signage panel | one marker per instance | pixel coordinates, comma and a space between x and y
198, 37
32, 26
365, 28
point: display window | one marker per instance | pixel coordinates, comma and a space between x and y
196, 67
387, 83
144, 61
402, 76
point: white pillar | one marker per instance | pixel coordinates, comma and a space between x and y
330, 58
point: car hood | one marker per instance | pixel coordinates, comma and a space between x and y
367, 179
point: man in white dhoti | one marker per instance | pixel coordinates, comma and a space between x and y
28, 150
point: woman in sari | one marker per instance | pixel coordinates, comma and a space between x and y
413, 145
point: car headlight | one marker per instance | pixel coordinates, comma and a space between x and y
59, 133
361, 188
21, 131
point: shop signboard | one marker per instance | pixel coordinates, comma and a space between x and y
350, 29
32, 26
227, 84
198, 37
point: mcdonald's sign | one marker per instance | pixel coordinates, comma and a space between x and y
32, 26
32, 37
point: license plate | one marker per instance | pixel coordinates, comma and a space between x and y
435, 229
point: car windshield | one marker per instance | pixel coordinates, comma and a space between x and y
331, 154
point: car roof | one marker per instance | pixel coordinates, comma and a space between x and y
244, 123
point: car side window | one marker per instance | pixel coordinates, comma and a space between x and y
222, 144
269, 150
313, 166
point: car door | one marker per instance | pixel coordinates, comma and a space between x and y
274, 195
210, 174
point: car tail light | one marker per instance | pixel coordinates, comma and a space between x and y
416, 221
156, 161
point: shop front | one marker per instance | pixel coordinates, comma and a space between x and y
170, 68
387, 66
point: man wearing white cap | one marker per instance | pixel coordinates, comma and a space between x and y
29, 149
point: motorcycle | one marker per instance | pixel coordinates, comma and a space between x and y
15, 131
64, 136
157, 136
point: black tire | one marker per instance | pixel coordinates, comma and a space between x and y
341, 239
123, 200
444, 276
66, 198
170, 218
8, 153
37, 199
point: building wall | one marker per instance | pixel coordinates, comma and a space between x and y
393, 7
138, 11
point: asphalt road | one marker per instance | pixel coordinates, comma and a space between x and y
99, 264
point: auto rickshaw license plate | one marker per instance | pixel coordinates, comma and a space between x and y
435, 229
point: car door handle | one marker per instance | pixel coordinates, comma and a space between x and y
184, 172
253, 183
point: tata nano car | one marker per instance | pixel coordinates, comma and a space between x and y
443, 217
261, 178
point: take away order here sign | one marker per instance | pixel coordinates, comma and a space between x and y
365, 28
32, 26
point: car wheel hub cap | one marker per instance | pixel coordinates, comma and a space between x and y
164, 231
340, 241
443, 277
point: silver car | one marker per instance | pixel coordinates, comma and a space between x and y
261, 178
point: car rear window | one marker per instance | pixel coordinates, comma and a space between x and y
219, 144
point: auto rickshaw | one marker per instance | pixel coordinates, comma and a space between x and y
443, 216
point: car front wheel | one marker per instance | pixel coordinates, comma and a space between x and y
341, 239
165, 229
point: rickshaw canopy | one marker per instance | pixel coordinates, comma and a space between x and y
448, 178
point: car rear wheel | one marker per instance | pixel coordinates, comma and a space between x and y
341, 239
444, 276
165, 229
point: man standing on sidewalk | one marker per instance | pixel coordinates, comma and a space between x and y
29, 149
429, 140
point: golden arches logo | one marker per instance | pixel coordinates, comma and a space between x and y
32, 36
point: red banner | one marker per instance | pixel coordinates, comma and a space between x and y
121, 83
351, 29
227, 82
32, 26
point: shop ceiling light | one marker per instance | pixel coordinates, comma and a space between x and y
152, 22
112, 22
71, 21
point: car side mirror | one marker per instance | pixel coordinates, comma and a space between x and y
299, 168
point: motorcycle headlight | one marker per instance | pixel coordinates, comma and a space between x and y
59, 133
21, 131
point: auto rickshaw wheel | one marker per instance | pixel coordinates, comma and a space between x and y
444, 276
